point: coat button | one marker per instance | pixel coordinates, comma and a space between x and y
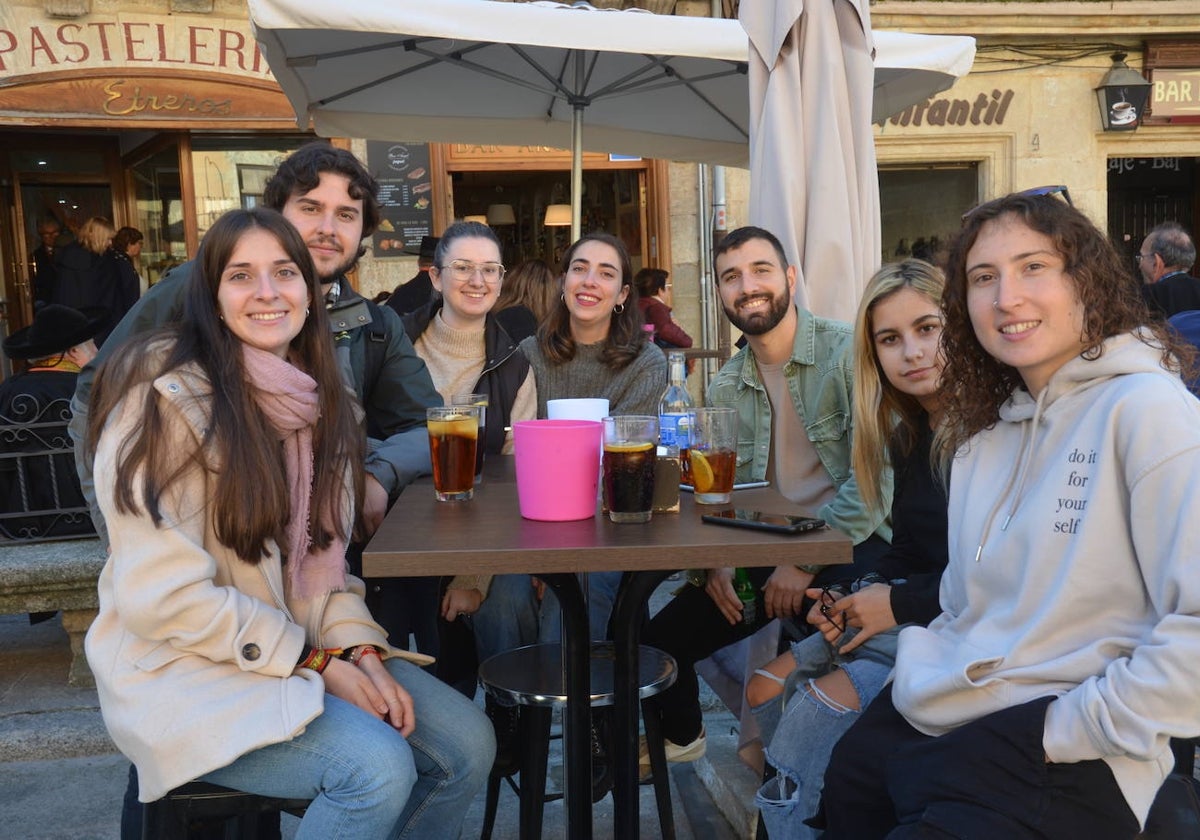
173, 388
251, 651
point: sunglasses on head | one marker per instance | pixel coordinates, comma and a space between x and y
1055, 189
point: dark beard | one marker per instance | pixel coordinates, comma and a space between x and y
343, 268
760, 322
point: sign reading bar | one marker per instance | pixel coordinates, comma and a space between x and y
1175, 93
405, 196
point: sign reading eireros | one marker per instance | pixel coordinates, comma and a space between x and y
154, 70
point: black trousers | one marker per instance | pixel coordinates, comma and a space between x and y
984, 780
691, 628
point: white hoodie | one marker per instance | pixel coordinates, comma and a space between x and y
1074, 571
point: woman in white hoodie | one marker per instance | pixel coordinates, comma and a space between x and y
1041, 701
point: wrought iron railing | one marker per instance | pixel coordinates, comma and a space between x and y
40, 498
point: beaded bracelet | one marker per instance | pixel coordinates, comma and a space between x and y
356, 654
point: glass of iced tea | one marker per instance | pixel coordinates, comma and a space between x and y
630, 444
480, 400
712, 455
453, 436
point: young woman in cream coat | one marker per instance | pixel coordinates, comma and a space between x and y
231, 644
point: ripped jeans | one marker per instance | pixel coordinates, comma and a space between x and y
801, 740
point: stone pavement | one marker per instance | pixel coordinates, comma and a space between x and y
63, 778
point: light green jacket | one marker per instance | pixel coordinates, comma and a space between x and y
820, 377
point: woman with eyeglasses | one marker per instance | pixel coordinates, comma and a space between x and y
467, 351
1040, 703
821, 685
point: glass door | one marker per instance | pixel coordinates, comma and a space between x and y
57, 185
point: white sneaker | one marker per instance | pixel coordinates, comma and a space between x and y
675, 752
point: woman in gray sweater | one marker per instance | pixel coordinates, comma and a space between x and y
592, 345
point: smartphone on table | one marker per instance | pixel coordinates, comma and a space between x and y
779, 523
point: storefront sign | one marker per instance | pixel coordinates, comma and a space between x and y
984, 109
405, 196
155, 70
469, 154
31, 43
1175, 93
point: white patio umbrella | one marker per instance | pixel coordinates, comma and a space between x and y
813, 177
475, 71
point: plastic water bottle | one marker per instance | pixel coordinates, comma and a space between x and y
675, 409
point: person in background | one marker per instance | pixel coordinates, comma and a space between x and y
418, 291
1187, 324
1166, 256
118, 281
44, 274
468, 351
792, 388
832, 675
54, 347
77, 266
527, 298
654, 299
231, 645
129, 241
1041, 701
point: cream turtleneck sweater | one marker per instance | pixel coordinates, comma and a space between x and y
455, 359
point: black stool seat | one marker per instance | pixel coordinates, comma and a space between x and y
532, 679
533, 675
171, 817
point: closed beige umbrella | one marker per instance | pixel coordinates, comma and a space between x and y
813, 179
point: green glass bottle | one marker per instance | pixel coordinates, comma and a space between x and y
744, 588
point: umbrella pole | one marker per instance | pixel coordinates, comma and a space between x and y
577, 151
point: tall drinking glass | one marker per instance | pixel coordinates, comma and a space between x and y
453, 437
713, 454
480, 400
630, 443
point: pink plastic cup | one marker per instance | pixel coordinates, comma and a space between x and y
558, 462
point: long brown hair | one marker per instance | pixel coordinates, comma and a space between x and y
976, 384
530, 284
887, 422
625, 340
239, 449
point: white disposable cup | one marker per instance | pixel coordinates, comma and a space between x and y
589, 408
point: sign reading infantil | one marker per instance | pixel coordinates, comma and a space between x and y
153, 69
949, 111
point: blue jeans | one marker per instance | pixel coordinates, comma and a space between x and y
799, 746
510, 616
366, 780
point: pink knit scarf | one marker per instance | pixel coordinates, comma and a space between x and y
287, 396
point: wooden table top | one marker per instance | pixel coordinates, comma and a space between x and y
487, 535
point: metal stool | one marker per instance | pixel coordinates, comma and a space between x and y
169, 818
531, 678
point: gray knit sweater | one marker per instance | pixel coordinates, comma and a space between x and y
635, 389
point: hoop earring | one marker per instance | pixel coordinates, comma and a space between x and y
562, 296
618, 309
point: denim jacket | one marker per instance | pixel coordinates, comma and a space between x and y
820, 377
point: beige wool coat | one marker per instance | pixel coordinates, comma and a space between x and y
194, 651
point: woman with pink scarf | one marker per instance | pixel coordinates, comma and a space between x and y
231, 645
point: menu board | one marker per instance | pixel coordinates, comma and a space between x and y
405, 196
